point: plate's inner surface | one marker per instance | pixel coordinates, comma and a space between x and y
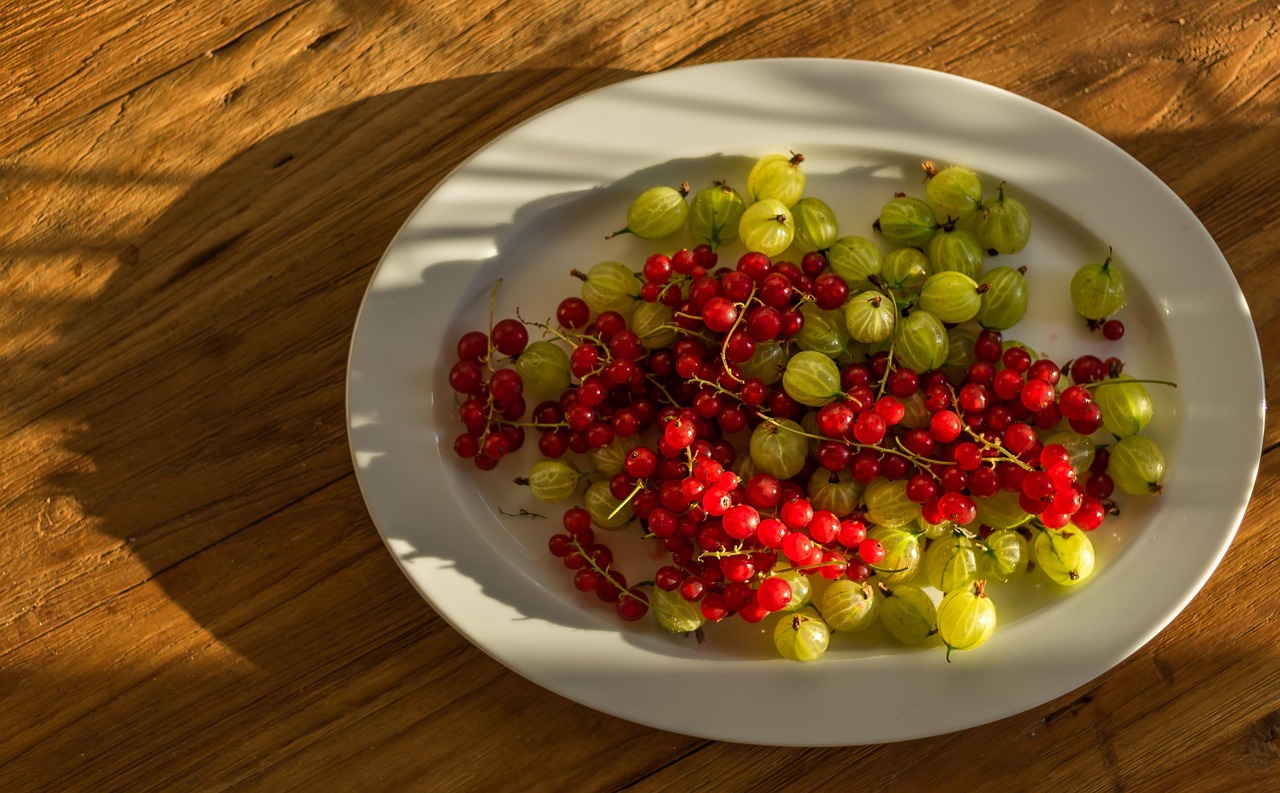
533, 262
540, 201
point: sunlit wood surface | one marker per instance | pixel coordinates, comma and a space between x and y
193, 197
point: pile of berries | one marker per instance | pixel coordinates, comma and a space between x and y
970, 438
777, 427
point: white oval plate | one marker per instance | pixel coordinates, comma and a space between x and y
539, 201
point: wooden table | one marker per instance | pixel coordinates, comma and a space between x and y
194, 196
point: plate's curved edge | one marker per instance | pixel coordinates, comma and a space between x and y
586, 96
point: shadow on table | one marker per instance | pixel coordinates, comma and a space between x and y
301, 219
214, 403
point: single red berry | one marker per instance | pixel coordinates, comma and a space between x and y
945, 426
719, 314
683, 261
1036, 395
796, 513
972, 397
833, 566
466, 446
814, 264
587, 580
714, 607
679, 433
984, 482
824, 526
763, 491
1053, 454
871, 551
1099, 485
1087, 369
1046, 370
866, 466
662, 522
717, 501
921, 488
1090, 514
890, 409
1088, 423
756, 265
957, 508
740, 521
1017, 359
953, 479
704, 256
894, 466
833, 456
771, 532
967, 455
830, 291
852, 532
870, 428
609, 323
510, 337
1007, 383
764, 323
560, 545
633, 606
573, 312
774, 594
692, 589
903, 382
657, 268
1074, 401
737, 568
797, 547
473, 346
988, 347
466, 377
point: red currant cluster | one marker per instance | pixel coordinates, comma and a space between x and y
955, 438
493, 404
592, 566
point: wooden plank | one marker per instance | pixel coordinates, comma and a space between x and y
259, 664
232, 667
61, 61
1195, 707
190, 592
127, 443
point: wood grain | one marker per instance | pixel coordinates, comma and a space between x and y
194, 195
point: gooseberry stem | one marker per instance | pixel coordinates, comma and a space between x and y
639, 486
888, 364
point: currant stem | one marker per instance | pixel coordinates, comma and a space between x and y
493, 305
537, 425
488, 360
568, 337
724, 346
689, 331
915, 458
656, 384
982, 441
604, 571
918, 459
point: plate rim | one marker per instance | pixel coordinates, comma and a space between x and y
782, 63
